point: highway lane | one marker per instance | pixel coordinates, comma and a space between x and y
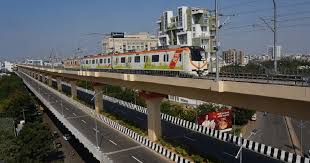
273, 131
120, 147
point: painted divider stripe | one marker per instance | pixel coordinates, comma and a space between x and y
298, 159
307, 160
256, 147
290, 157
262, 148
282, 157
251, 144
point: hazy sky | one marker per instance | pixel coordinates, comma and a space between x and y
31, 28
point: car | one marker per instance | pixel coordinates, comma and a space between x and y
253, 118
67, 137
265, 113
55, 134
58, 145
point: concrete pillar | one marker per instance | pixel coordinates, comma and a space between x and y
73, 89
59, 86
98, 98
153, 101
49, 81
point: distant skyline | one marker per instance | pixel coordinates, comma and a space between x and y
35, 28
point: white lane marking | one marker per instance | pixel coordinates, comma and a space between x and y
136, 159
67, 109
83, 121
189, 138
74, 114
95, 130
112, 142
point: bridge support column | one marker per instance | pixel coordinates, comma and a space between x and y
98, 98
59, 86
49, 81
73, 89
153, 101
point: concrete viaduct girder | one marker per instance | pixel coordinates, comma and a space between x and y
293, 101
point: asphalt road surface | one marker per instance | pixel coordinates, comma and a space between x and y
118, 147
272, 130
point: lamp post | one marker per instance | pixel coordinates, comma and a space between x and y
239, 153
97, 141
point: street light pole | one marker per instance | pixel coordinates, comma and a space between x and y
97, 141
275, 35
216, 40
239, 153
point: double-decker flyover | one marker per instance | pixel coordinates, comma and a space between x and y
293, 101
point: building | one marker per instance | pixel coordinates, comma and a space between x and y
190, 26
73, 63
38, 62
233, 56
123, 43
270, 52
8, 66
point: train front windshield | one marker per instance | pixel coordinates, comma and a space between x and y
198, 54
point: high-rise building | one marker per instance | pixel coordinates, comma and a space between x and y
270, 52
120, 42
190, 26
233, 56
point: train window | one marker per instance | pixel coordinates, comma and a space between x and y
86, 61
123, 60
137, 59
105, 60
100, 61
93, 61
155, 58
180, 58
197, 54
108, 60
129, 59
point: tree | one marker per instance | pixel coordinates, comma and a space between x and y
242, 115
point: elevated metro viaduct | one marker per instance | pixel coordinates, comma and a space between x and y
292, 101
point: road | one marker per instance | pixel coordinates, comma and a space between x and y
272, 130
194, 141
117, 146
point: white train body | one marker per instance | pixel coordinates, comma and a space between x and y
190, 60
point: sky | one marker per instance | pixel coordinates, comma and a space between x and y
37, 28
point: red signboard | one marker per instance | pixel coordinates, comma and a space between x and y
220, 120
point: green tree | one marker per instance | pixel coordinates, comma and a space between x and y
242, 115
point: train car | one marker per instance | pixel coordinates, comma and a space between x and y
98, 61
72, 63
190, 60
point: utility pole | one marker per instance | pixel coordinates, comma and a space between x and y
275, 35
216, 40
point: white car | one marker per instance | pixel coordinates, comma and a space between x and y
253, 118
67, 137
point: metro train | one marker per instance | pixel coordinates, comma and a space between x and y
188, 60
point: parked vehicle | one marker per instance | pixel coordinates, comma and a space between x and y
253, 118
55, 134
67, 137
